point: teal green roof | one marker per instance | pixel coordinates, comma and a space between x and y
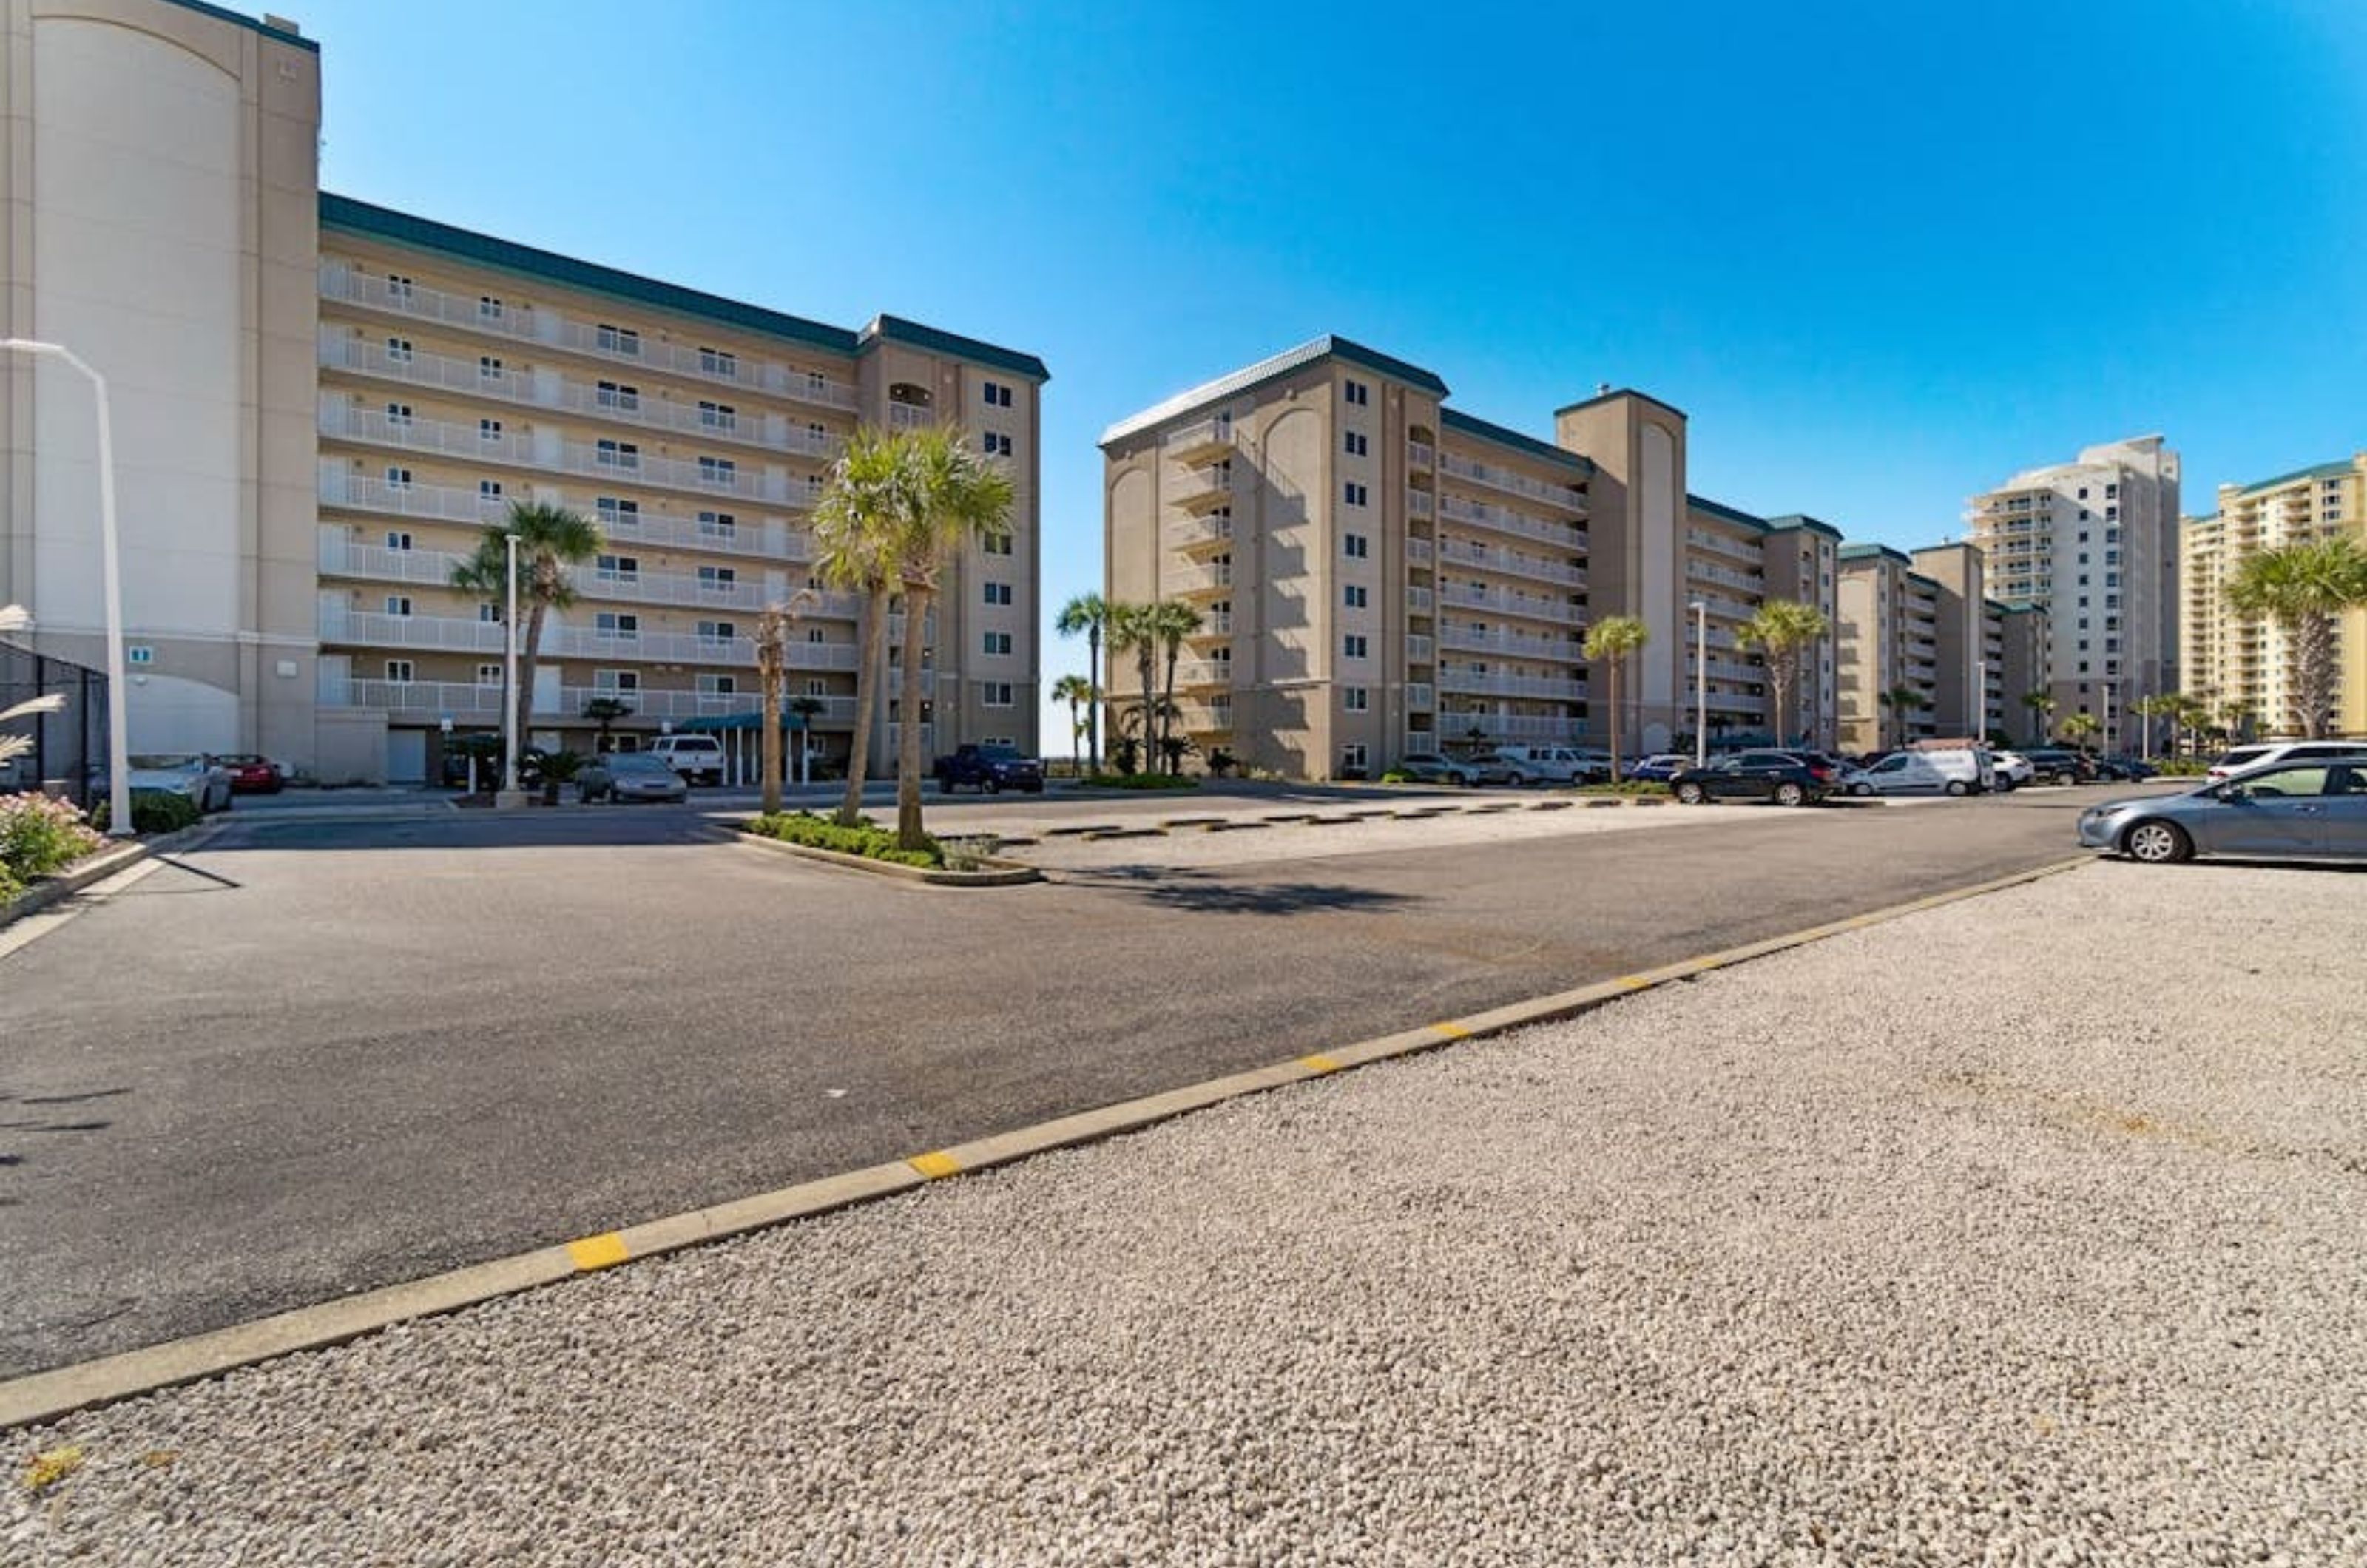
1791, 520
250, 23
1289, 362
1871, 552
1455, 419
1618, 392
1920, 580
2320, 472
345, 213
1732, 514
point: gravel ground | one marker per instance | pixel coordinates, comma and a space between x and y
2026, 1230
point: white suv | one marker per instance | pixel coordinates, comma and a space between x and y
2261, 754
697, 758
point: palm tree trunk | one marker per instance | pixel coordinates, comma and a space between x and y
530, 655
1076, 740
910, 834
1167, 704
1145, 660
1614, 718
1093, 702
771, 679
869, 677
2314, 646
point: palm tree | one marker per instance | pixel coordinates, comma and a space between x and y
857, 530
773, 625
2040, 703
1610, 640
2191, 713
1902, 702
958, 496
2239, 713
2303, 587
1171, 620
1089, 613
1132, 630
549, 539
1077, 693
2080, 727
604, 712
1782, 630
2159, 705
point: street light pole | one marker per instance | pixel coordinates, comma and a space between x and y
509, 719
119, 739
1981, 702
1700, 608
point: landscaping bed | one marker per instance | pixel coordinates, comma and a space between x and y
869, 846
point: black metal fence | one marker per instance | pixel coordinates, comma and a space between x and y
69, 746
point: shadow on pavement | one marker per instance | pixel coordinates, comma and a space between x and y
1201, 893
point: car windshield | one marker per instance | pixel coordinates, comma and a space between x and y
163, 763
635, 762
2243, 755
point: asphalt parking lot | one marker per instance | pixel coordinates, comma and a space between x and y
323, 1056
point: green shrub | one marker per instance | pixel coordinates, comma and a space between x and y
1626, 786
1397, 776
1141, 781
39, 836
822, 833
2184, 767
154, 811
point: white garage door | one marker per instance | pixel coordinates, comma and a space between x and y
406, 756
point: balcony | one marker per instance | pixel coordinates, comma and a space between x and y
1730, 669
1194, 581
1500, 728
1203, 674
621, 463
341, 555
767, 539
1419, 552
1215, 625
1199, 533
1422, 454
1201, 440
1702, 571
1420, 503
1543, 688
1418, 601
1719, 605
1534, 606
1499, 639
444, 634
1418, 648
1484, 558
1209, 485
1206, 719
668, 588
1505, 520
1470, 470
1737, 549
344, 422
424, 700
361, 493
1420, 698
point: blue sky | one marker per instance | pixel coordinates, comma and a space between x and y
1883, 254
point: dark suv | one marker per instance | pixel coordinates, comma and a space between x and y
2054, 764
1784, 777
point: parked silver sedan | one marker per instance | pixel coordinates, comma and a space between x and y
631, 775
2312, 810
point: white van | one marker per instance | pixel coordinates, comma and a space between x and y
697, 758
1556, 764
1963, 770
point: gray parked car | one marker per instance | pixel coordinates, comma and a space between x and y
2305, 810
1428, 767
632, 776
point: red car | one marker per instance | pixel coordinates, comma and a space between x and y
253, 775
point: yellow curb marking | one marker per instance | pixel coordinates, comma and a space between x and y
936, 1165
603, 1251
1452, 1030
1632, 983
1318, 1064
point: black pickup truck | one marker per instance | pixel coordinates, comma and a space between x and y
990, 769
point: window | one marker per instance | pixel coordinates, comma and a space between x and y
398, 670
716, 579
2083, 492
717, 686
489, 674
815, 688
1355, 699
398, 476
490, 309
398, 350
396, 539
995, 395
1355, 546
718, 416
613, 513
489, 489
617, 340
489, 368
1352, 757
616, 680
998, 593
618, 395
1353, 646
617, 455
998, 644
718, 631
995, 443
1354, 493
817, 385
719, 362
721, 472
491, 614
489, 430
1358, 596
398, 413
1358, 393
719, 526
996, 693
614, 623
618, 567
995, 545
398, 604
1356, 443
399, 289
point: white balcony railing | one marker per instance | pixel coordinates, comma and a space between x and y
1542, 687
424, 699
1507, 520
342, 555
1419, 697
345, 422
446, 634
768, 538
909, 416
1420, 503
1208, 437
470, 311
1487, 559
1190, 533
1703, 571
1535, 607
1471, 470
1196, 672
1421, 552
1418, 648
669, 588
622, 463
1422, 454
1201, 579
1738, 550
1498, 726
444, 505
1499, 639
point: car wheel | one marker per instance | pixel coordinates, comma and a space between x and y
2157, 843
1790, 793
991, 786
1691, 793
1957, 788
1861, 790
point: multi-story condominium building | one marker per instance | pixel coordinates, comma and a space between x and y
1960, 694
2242, 664
1734, 562
2094, 543
1889, 647
2015, 644
1380, 573
319, 405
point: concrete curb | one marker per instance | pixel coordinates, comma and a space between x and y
99, 867
45, 1396
1005, 874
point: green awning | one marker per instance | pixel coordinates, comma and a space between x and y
708, 724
